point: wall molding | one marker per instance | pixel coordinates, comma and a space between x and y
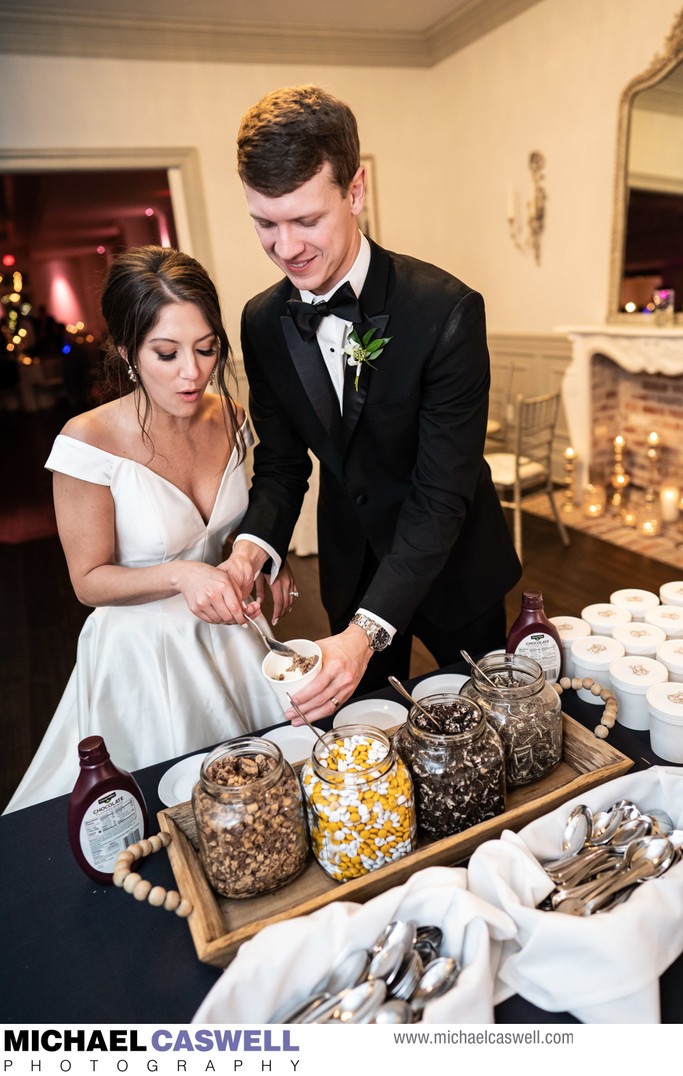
28, 28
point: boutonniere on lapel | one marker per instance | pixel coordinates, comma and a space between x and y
364, 351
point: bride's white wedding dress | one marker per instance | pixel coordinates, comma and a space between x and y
154, 680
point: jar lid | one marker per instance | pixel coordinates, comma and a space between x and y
635, 600
672, 593
670, 653
636, 674
604, 617
597, 651
668, 617
666, 701
570, 627
639, 637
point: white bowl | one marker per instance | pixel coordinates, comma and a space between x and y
665, 705
631, 678
274, 665
444, 683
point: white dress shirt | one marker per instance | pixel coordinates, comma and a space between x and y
332, 334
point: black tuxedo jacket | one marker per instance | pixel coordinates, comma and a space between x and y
403, 472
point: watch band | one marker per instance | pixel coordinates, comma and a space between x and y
378, 637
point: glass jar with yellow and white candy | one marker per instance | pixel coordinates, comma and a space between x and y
359, 801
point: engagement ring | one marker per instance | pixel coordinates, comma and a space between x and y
294, 593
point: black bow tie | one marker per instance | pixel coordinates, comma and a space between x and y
307, 316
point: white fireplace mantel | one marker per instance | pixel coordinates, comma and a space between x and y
637, 349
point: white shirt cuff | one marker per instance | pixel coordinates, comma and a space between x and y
277, 563
378, 620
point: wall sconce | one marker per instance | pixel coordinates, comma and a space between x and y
535, 209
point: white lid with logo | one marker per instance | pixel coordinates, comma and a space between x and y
666, 701
570, 627
636, 674
635, 600
668, 617
639, 637
596, 652
604, 617
670, 653
672, 593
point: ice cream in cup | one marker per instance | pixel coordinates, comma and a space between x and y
288, 675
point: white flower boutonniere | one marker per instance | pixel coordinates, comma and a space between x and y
364, 351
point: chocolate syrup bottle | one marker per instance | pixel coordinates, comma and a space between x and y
107, 811
533, 635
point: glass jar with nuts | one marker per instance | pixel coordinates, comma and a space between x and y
250, 819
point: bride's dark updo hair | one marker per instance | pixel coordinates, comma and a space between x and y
139, 283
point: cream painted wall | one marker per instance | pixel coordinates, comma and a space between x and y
448, 142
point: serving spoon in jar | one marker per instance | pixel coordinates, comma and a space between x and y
303, 717
395, 683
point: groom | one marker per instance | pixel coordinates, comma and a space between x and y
378, 364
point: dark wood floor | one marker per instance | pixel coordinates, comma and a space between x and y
40, 618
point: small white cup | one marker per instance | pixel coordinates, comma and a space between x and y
569, 628
665, 706
603, 617
670, 653
668, 617
592, 657
631, 677
671, 593
635, 600
274, 665
640, 638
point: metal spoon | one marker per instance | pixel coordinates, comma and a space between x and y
273, 644
406, 695
305, 719
477, 668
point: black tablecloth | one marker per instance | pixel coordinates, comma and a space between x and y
75, 952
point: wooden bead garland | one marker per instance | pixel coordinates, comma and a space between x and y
133, 883
609, 715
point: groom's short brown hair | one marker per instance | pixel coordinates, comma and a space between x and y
285, 139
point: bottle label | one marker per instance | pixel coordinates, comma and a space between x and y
543, 649
111, 823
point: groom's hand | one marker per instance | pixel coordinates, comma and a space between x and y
345, 659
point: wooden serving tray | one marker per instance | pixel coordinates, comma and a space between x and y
219, 925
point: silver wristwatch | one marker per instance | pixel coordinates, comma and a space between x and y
378, 637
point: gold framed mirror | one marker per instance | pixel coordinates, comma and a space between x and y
649, 180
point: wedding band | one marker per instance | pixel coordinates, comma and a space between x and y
294, 593
335, 701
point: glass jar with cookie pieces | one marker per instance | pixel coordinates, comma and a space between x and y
250, 820
359, 802
525, 710
457, 764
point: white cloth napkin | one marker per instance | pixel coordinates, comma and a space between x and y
602, 968
281, 964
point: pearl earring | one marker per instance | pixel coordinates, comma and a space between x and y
131, 374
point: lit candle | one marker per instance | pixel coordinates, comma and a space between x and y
669, 496
569, 453
619, 441
653, 439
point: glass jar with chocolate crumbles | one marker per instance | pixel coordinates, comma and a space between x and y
250, 819
456, 761
524, 708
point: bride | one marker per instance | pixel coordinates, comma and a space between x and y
147, 489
